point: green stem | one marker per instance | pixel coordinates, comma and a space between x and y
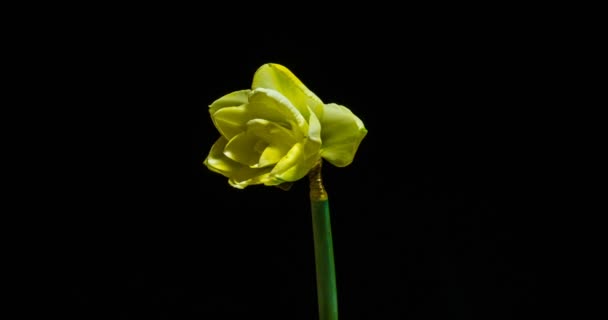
324, 252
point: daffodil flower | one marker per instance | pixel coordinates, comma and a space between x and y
276, 131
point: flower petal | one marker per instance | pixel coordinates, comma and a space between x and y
240, 176
291, 158
233, 99
272, 154
314, 128
273, 106
271, 132
246, 176
244, 149
216, 161
277, 77
279, 140
342, 133
231, 121
297, 162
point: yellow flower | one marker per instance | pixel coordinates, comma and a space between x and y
276, 132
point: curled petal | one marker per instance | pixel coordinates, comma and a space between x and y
278, 78
297, 162
246, 176
239, 175
278, 140
292, 157
231, 121
271, 132
272, 154
273, 106
216, 161
342, 133
314, 128
233, 99
244, 148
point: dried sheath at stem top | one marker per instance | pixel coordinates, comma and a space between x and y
317, 191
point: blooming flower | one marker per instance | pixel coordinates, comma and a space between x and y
278, 130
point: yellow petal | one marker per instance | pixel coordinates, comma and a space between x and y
244, 149
240, 176
279, 78
314, 128
231, 121
216, 161
278, 139
271, 132
246, 176
292, 157
297, 162
272, 154
273, 106
233, 99
342, 133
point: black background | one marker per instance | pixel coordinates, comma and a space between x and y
430, 220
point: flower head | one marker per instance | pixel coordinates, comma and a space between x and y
276, 132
